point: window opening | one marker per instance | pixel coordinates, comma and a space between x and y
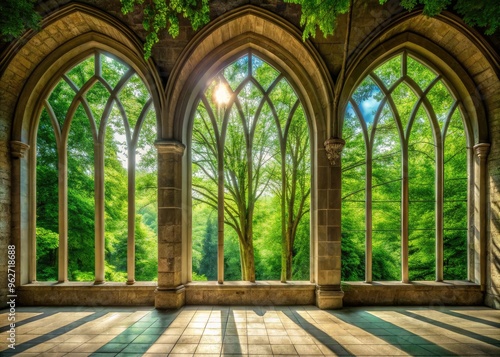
95, 141
251, 177
404, 177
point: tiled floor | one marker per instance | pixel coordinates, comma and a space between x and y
253, 330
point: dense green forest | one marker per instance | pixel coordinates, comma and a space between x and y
259, 140
269, 172
101, 79
378, 136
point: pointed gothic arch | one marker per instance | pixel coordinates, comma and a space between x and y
279, 43
466, 95
68, 36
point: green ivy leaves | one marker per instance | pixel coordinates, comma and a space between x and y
162, 14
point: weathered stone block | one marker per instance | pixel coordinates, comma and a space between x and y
170, 299
169, 216
329, 299
170, 234
334, 234
334, 217
170, 197
334, 199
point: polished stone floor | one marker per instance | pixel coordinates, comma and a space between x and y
252, 331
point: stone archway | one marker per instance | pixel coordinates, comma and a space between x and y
248, 27
30, 67
463, 69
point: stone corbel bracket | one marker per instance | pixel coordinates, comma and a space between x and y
18, 149
333, 147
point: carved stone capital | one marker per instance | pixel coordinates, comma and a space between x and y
170, 147
333, 147
18, 149
482, 150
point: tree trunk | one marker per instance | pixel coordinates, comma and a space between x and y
289, 254
247, 260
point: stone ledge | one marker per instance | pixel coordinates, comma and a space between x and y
86, 294
246, 293
432, 293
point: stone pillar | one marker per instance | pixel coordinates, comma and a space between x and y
328, 269
170, 292
480, 217
25, 253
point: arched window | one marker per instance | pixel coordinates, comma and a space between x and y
94, 141
405, 177
251, 177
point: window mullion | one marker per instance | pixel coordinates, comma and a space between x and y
131, 215
404, 212
220, 198
220, 212
32, 192
368, 216
439, 208
99, 210
63, 212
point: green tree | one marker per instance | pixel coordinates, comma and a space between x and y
208, 267
244, 179
295, 186
80, 167
17, 16
322, 15
260, 146
161, 14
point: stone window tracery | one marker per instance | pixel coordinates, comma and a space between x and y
249, 155
95, 163
405, 176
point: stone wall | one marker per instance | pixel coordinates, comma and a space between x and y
493, 243
4, 201
373, 25
427, 293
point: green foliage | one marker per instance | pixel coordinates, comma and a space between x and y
408, 124
431, 7
17, 16
482, 13
46, 253
268, 238
264, 147
320, 15
352, 256
163, 14
208, 268
197, 277
302, 252
146, 251
80, 168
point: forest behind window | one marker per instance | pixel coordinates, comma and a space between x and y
402, 122
99, 108
251, 176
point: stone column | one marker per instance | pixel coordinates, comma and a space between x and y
328, 269
25, 247
170, 292
480, 216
